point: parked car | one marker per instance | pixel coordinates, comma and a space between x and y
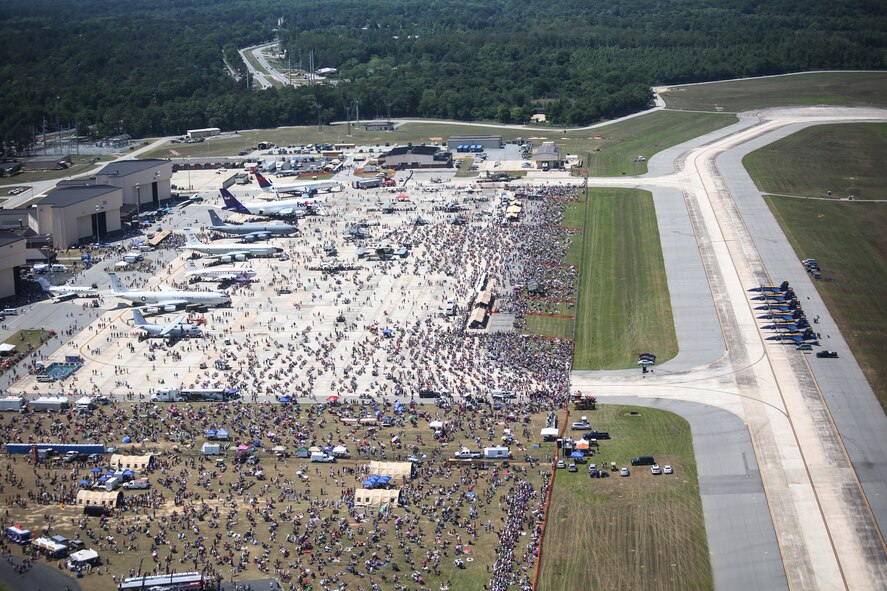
624, 471
666, 469
643, 461
827, 354
580, 425
561, 464
655, 469
572, 468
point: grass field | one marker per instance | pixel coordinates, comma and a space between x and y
79, 164
846, 159
641, 532
825, 88
847, 239
459, 481
624, 306
619, 144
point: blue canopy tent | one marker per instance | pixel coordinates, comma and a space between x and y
211, 433
96, 470
383, 481
222, 434
577, 454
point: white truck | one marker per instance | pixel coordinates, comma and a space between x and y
322, 457
166, 396
48, 404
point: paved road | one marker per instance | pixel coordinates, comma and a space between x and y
41, 577
741, 539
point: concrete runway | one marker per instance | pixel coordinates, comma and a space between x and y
824, 509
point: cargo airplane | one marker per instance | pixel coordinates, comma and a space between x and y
283, 208
195, 273
167, 299
301, 187
228, 251
176, 329
249, 231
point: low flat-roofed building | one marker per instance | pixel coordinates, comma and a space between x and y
205, 132
548, 155
144, 182
417, 157
379, 126
75, 214
47, 163
487, 142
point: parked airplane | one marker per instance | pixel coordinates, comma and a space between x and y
228, 251
249, 232
283, 208
789, 326
776, 307
808, 336
788, 296
300, 187
171, 330
195, 273
786, 315
63, 293
167, 299
772, 288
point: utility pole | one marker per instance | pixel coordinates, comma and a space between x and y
58, 127
319, 122
348, 117
388, 104
357, 112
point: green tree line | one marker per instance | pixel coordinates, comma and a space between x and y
157, 68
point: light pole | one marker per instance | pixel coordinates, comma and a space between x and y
188, 163
138, 203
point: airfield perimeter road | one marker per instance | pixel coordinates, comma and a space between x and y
825, 512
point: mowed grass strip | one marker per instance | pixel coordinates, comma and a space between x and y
813, 88
640, 532
549, 326
847, 239
846, 159
623, 306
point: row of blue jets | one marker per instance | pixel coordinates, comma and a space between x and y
785, 314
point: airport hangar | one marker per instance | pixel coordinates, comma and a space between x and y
403, 157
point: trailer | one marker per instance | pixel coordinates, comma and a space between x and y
47, 404
12, 403
497, 453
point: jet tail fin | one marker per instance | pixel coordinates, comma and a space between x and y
231, 202
264, 183
214, 218
116, 284
44, 284
138, 318
191, 238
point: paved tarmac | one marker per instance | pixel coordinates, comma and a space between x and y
851, 402
40, 577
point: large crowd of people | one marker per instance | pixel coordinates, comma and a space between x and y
358, 343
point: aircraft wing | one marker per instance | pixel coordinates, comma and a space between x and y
286, 211
178, 302
170, 326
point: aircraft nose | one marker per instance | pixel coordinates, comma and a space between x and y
278, 249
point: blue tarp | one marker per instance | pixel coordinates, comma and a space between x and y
577, 454
383, 480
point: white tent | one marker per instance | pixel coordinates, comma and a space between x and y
549, 433
84, 556
436, 424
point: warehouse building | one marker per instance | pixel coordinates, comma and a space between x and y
379, 126
480, 142
417, 157
75, 214
12, 257
194, 134
145, 183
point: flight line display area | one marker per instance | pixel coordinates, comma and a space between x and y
411, 294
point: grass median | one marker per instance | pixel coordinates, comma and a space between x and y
623, 305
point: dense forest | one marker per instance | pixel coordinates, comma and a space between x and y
156, 67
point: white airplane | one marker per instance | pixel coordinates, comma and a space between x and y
168, 299
228, 251
194, 273
171, 330
249, 232
283, 208
300, 187
63, 293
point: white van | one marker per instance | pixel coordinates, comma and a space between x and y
9, 311
133, 257
139, 484
57, 268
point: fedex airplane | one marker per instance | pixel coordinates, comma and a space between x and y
300, 187
282, 208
